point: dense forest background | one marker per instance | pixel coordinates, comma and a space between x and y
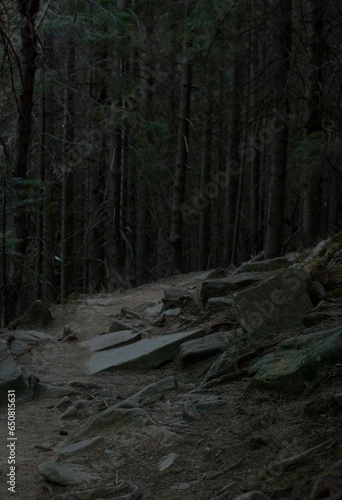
141, 138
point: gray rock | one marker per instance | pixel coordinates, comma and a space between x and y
64, 474
70, 413
209, 403
222, 287
316, 292
152, 393
119, 326
160, 321
154, 310
167, 461
297, 361
198, 349
216, 366
177, 297
80, 403
263, 265
277, 304
111, 340
181, 486
11, 376
219, 304
190, 412
63, 403
173, 312
336, 259
37, 315
79, 447
111, 420
54, 391
146, 353
32, 336
214, 274
19, 348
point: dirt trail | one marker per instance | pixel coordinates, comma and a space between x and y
226, 450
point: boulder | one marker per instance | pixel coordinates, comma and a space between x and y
146, 353
177, 297
11, 376
316, 292
222, 287
18, 348
277, 304
263, 265
298, 360
195, 350
37, 315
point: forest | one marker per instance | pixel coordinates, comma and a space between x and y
142, 138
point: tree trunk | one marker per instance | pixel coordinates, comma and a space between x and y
49, 220
204, 222
178, 196
233, 159
67, 230
276, 202
28, 12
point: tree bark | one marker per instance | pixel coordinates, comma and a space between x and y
276, 202
178, 196
28, 12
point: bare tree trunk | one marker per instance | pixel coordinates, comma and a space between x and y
204, 222
28, 12
233, 159
276, 204
178, 196
312, 172
67, 231
49, 221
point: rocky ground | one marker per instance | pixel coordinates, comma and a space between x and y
216, 385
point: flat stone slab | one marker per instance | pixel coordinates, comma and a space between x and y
111, 340
65, 474
154, 310
194, 350
79, 447
277, 304
18, 348
32, 336
11, 377
263, 265
220, 287
146, 353
298, 361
